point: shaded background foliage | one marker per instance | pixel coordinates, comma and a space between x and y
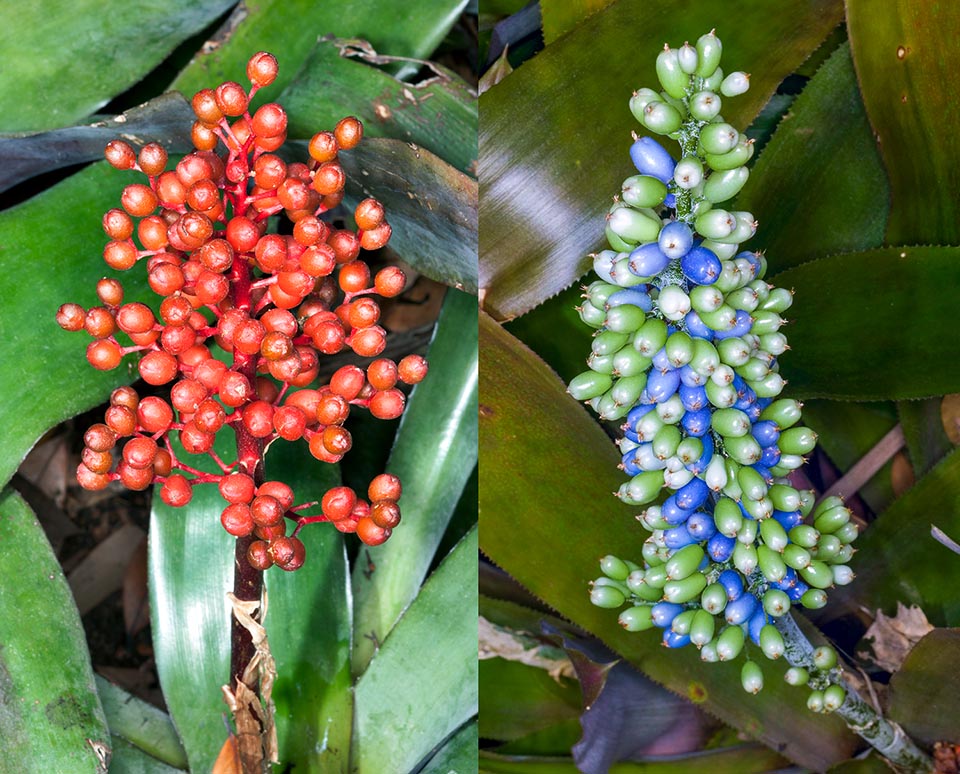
854, 188
82, 76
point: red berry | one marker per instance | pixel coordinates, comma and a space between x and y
154, 415
237, 519
176, 491
387, 404
258, 554
338, 502
262, 69
231, 98
267, 511
385, 514
386, 486
71, 317
104, 354
258, 418
370, 532
90, 480
349, 132
347, 381
389, 282
412, 369
237, 488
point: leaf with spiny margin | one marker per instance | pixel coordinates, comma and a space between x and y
840, 340
550, 133
818, 187
562, 16
547, 515
50, 714
434, 453
57, 239
66, 63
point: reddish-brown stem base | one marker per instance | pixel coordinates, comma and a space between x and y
247, 585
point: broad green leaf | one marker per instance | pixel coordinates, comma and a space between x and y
339, 79
743, 759
555, 134
847, 431
458, 755
511, 615
926, 439
562, 16
289, 29
308, 625
864, 315
873, 763
557, 739
129, 759
898, 560
422, 684
140, 724
57, 239
434, 454
430, 205
906, 58
836, 39
50, 716
925, 692
517, 699
818, 187
68, 62
190, 564
166, 119
547, 515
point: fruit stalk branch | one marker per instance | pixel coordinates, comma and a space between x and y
885, 736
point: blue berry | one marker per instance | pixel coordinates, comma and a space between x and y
701, 266
675, 240
648, 260
651, 158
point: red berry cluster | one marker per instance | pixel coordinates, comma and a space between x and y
275, 302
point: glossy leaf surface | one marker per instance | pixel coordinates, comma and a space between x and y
925, 692
546, 515
58, 235
898, 321
458, 754
49, 709
518, 699
561, 16
548, 179
422, 684
434, 454
71, 65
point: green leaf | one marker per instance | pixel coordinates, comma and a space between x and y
819, 187
458, 755
289, 29
308, 625
190, 564
560, 18
898, 560
842, 336
557, 739
130, 759
65, 68
140, 724
518, 699
339, 79
547, 515
57, 236
430, 205
906, 58
166, 119
422, 684
923, 430
554, 146
50, 716
873, 763
925, 692
434, 454
743, 759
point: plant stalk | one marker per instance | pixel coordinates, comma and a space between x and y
885, 736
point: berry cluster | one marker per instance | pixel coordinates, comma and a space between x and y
686, 347
274, 303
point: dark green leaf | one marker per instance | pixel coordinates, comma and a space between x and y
925, 692
819, 187
554, 146
518, 699
431, 206
422, 684
547, 516
56, 237
768, 119
140, 724
439, 114
906, 58
872, 764
434, 454
898, 559
844, 335
65, 67
50, 715
308, 624
926, 439
166, 119
458, 754
289, 30
130, 759
557, 739
560, 17
743, 759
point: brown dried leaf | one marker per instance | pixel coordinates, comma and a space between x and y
950, 416
890, 639
501, 642
136, 604
228, 761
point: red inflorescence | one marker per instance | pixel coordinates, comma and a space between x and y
276, 304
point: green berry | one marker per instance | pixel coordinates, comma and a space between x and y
751, 677
640, 99
815, 701
713, 599
776, 602
705, 105
606, 596
721, 186
684, 562
734, 84
814, 599
643, 191
833, 697
686, 589
739, 155
771, 642
825, 657
634, 225
702, 627
771, 563
798, 440
636, 619
688, 173
589, 384
730, 643
719, 138
727, 516
614, 568
662, 118
673, 79
709, 50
